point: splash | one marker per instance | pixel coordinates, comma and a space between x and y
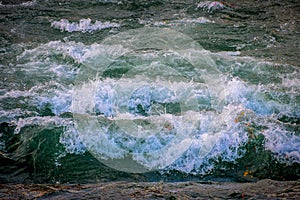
152, 103
153, 99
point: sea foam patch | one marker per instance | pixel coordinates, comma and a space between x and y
172, 23
23, 4
84, 25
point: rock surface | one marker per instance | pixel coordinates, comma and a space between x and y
264, 189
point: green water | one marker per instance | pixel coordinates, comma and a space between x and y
95, 91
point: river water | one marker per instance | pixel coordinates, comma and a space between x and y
104, 90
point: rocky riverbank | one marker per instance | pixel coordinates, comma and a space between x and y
263, 189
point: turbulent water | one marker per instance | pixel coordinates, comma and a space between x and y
149, 90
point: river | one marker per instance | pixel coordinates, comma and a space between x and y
160, 90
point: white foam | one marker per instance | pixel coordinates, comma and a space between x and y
184, 21
48, 122
283, 143
211, 5
11, 115
29, 3
24, 4
200, 20
84, 25
71, 140
200, 134
50, 94
292, 81
109, 1
222, 140
16, 94
207, 133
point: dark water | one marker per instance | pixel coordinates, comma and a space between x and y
96, 91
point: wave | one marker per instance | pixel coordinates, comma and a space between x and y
127, 101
